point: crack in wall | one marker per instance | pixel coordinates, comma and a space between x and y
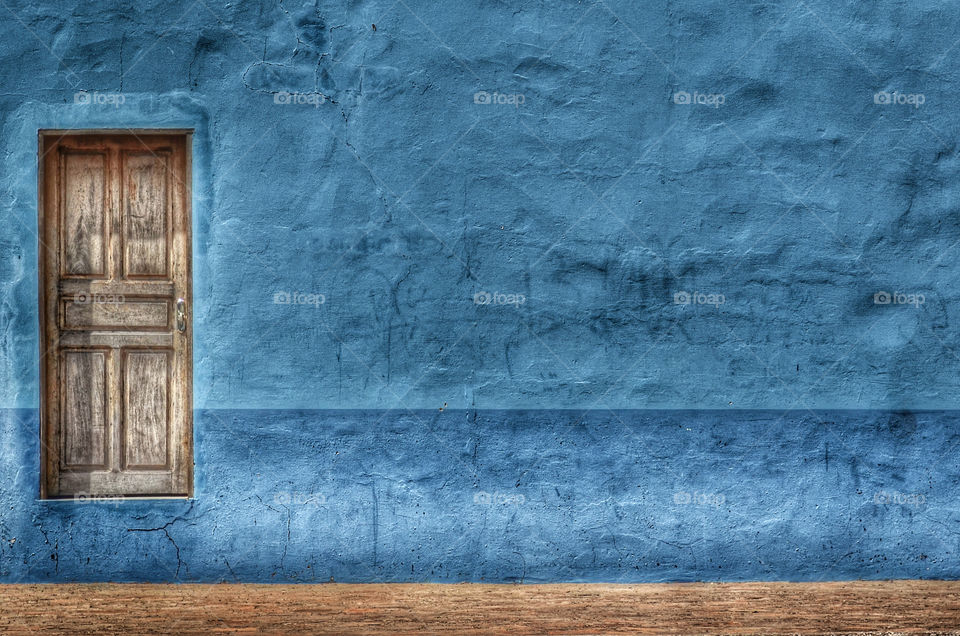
166, 532
169, 538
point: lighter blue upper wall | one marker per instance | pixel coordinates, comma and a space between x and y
597, 199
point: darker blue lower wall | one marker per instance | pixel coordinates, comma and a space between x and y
513, 496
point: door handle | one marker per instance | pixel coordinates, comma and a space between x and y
181, 315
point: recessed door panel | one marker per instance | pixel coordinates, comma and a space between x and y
145, 219
83, 375
84, 208
146, 409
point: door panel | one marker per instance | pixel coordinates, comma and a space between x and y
146, 409
113, 314
115, 260
85, 226
144, 196
84, 399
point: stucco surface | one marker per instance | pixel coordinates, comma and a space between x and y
502, 207
515, 496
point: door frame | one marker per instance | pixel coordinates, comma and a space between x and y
59, 133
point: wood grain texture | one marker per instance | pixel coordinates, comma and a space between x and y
83, 213
146, 409
84, 408
114, 259
685, 608
146, 212
108, 312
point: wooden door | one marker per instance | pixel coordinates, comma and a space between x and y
115, 288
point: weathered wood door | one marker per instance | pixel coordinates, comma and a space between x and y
115, 289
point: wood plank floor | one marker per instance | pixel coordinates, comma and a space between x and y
730, 608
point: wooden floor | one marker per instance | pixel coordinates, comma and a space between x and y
730, 608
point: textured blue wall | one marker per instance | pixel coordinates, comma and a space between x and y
543, 495
503, 207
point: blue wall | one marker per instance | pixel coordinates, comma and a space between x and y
503, 207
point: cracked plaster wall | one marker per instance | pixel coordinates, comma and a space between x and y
361, 439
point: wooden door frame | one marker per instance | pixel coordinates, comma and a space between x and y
43, 134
